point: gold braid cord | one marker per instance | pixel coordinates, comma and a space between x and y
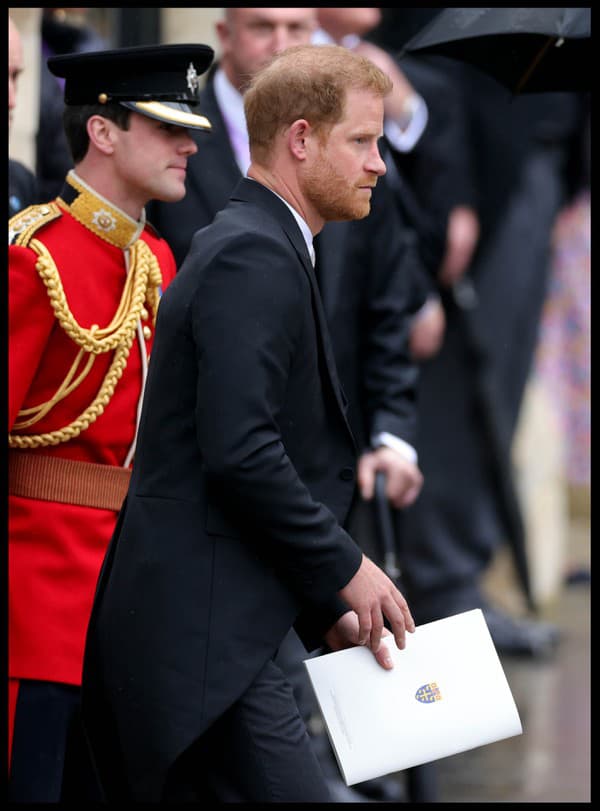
142, 285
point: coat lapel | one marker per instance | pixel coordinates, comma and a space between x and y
326, 344
252, 191
330, 256
295, 237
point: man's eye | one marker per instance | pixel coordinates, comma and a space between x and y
262, 28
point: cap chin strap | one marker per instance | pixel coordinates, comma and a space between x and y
170, 113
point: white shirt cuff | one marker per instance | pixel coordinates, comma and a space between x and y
397, 444
403, 135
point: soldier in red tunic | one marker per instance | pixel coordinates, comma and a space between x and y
86, 273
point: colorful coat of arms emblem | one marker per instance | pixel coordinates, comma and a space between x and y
428, 693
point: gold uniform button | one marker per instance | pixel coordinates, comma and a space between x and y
147, 333
145, 314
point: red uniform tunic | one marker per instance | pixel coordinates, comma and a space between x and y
56, 549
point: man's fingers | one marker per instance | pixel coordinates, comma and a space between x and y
376, 629
402, 605
384, 657
364, 626
408, 619
403, 487
409, 497
400, 619
366, 477
375, 598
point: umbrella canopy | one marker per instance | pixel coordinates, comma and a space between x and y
529, 50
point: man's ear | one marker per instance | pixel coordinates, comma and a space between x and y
101, 133
298, 132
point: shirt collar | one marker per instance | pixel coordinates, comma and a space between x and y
321, 37
303, 226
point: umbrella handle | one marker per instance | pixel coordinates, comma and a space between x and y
386, 527
523, 80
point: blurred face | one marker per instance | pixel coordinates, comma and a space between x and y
341, 172
249, 37
15, 66
150, 162
339, 22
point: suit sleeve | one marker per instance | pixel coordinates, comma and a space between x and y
315, 620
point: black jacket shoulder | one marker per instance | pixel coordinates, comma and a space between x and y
22, 187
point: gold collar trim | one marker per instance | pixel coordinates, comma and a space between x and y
98, 215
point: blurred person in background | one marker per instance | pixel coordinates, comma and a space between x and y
514, 154
22, 185
563, 355
63, 30
410, 130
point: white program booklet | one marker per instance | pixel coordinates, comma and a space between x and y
446, 693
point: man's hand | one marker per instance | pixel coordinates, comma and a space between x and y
427, 330
462, 236
396, 102
373, 596
344, 634
403, 478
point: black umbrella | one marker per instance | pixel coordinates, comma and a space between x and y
528, 50
491, 422
385, 528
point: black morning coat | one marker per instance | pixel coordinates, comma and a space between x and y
231, 529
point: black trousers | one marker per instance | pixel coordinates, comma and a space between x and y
50, 760
258, 751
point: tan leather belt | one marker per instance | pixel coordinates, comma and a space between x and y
68, 481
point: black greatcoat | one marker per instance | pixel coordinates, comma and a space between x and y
230, 532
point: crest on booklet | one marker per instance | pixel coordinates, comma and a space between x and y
428, 693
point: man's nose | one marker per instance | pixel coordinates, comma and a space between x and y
12, 95
188, 145
376, 163
281, 39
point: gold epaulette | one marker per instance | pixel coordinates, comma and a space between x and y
23, 225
